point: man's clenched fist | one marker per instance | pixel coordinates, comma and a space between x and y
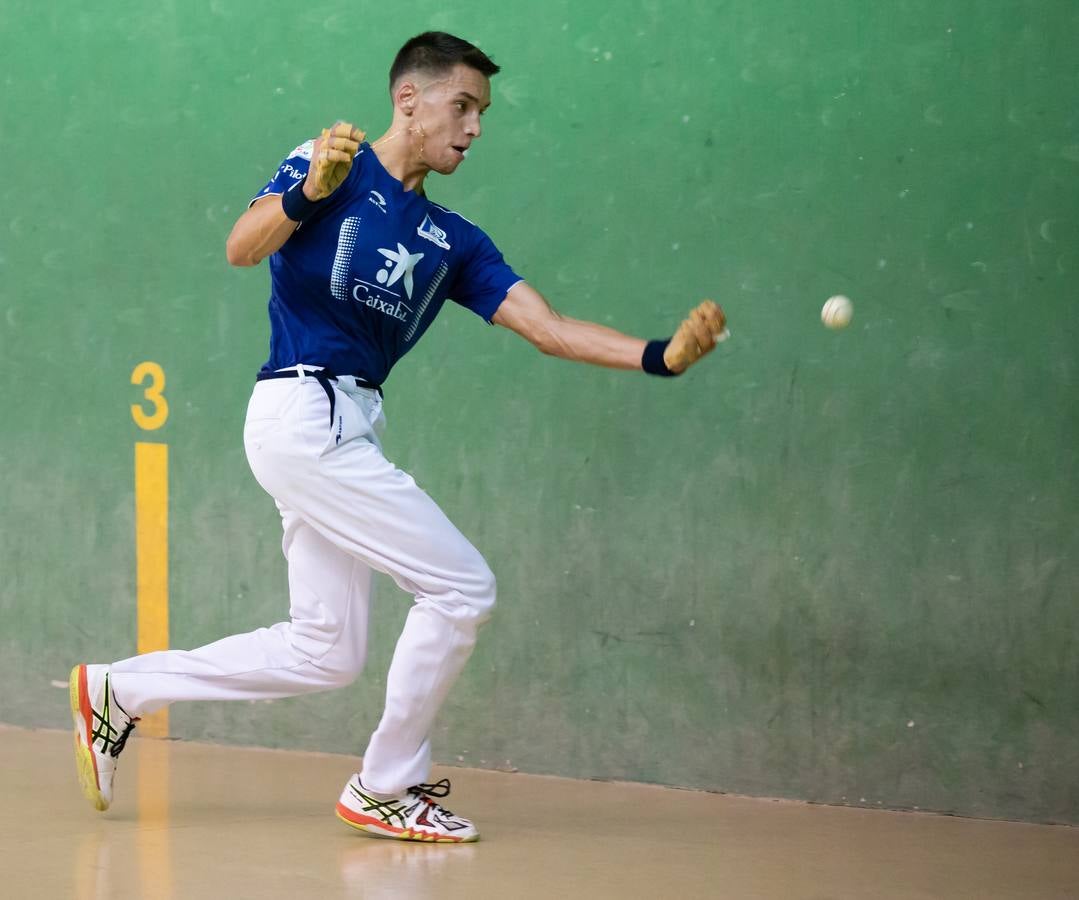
331, 159
696, 336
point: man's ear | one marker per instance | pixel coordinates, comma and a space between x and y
405, 97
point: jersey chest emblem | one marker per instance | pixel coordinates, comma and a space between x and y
429, 231
387, 288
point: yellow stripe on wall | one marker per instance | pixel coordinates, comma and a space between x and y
152, 561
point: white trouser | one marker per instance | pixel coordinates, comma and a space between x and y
345, 510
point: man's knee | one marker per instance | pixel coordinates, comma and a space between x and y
480, 589
467, 590
330, 648
464, 589
339, 672
489, 592
339, 664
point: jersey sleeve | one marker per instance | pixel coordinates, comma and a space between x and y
293, 169
484, 279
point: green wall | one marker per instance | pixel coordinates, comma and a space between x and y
841, 567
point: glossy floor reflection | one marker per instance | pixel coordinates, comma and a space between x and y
206, 822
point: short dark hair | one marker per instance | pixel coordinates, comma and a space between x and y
435, 53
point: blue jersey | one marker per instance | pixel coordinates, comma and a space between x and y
359, 282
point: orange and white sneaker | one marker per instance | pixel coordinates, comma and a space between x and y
101, 730
414, 816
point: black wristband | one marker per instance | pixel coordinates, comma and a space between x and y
296, 205
652, 360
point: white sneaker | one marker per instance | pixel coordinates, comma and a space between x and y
414, 816
101, 730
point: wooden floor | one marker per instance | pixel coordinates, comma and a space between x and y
207, 822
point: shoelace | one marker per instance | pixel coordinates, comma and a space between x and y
425, 792
118, 744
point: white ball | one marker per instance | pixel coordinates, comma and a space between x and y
837, 312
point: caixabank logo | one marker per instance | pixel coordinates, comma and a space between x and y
392, 283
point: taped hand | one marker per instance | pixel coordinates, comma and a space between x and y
696, 336
331, 159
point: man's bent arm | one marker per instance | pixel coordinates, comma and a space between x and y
264, 227
526, 312
259, 232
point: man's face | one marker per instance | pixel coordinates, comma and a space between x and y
446, 115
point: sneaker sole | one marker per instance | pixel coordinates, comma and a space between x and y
375, 828
85, 765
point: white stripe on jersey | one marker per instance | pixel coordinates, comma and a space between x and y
453, 212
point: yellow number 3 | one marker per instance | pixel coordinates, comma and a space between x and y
160, 413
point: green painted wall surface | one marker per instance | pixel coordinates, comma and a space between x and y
835, 566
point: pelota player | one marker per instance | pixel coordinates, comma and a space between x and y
361, 261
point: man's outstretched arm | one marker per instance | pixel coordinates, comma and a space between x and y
526, 312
